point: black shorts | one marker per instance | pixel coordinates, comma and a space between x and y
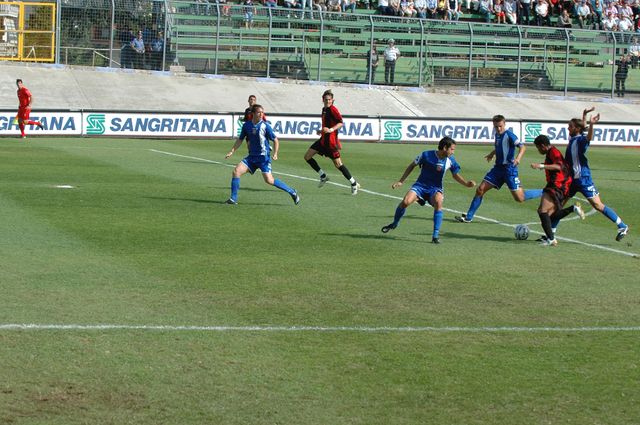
333, 153
558, 196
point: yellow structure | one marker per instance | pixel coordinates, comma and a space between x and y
27, 31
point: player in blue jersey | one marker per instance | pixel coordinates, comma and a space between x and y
258, 134
428, 187
576, 157
505, 169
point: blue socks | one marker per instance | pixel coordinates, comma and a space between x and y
398, 215
611, 215
280, 185
532, 193
475, 204
235, 186
437, 222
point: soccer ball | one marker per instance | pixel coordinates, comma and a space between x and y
521, 232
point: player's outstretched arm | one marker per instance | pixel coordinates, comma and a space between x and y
404, 176
489, 157
463, 181
235, 147
521, 150
586, 111
592, 122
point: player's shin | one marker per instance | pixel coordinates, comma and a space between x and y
437, 223
235, 186
475, 204
282, 186
398, 215
545, 220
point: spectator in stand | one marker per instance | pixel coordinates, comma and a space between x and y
349, 5
612, 10
421, 8
126, 51
621, 74
372, 63
249, 10
432, 9
524, 6
542, 13
157, 46
510, 11
471, 5
625, 26
394, 5
564, 20
635, 7
408, 9
554, 7
596, 14
137, 44
307, 8
610, 23
634, 52
270, 3
485, 8
441, 9
498, 11
625, 10
391, 55
453, 10
295, 4
366, 4
320, 6
583, 13
226, 8
383, 8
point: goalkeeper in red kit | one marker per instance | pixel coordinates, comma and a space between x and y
328, 144
24, 108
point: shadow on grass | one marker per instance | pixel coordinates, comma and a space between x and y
453, 235
381, 236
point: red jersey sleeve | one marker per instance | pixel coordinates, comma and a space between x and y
337, 117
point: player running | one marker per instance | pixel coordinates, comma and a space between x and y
576, 157
505, 169
25, 99
556, 192
258, 134
328, 144
429, 187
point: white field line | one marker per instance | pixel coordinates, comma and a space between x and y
399, 198
358, 329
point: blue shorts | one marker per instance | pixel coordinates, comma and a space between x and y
585, 186
253, 163
501, 174
425, 192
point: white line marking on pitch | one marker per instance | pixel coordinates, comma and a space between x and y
361, 329
384, 195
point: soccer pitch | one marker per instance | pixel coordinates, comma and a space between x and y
130, 293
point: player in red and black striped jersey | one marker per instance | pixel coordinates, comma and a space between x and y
248, 115
556, 192
24, 108
328, 144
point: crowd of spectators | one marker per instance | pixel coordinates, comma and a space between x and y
608, 15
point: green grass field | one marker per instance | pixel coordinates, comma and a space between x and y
321, 319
